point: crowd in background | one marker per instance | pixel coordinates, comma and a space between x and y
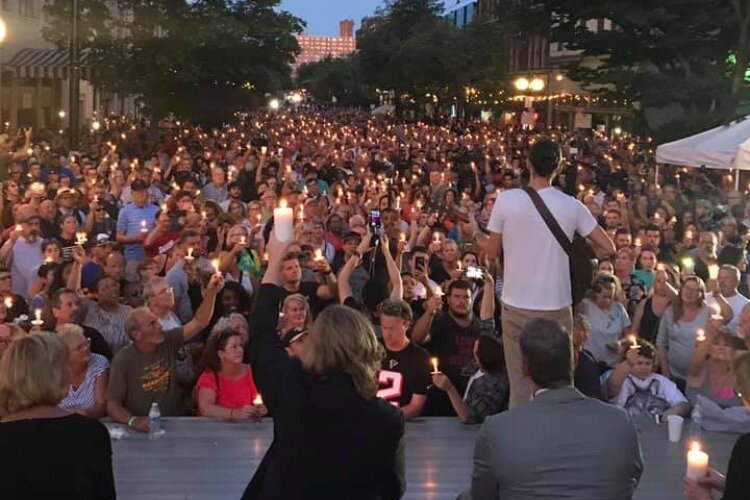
146, 252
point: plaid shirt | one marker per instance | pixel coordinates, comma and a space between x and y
487, 395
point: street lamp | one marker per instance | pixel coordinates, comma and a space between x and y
96, 125
522, 84
274, 104
536, 85
61, 114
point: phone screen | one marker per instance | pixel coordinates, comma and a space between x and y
419, 262
375, 218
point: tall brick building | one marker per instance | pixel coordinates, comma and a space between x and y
315, 48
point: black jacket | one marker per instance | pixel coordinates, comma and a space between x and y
329, 442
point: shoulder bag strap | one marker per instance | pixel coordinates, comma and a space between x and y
549, 219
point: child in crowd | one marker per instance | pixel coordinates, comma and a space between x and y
487, 391
639, 389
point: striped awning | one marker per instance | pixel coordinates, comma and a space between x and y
45, 63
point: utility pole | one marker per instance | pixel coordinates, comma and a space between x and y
74, 66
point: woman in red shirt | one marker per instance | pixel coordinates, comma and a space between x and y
225, 389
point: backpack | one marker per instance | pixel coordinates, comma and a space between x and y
580, 253
644, 401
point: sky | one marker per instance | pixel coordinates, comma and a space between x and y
323, 16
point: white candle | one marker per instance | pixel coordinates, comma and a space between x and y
215, 263
438, 291
258, 400
243, 240
700, 335
263, 150
144, 228
19, 227
8, 302
434, 362
318, 254
81, 238
38, 321
697, 462
189, 255
283, 221
633, 340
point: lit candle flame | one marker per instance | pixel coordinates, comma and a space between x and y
258, 400
434, 362
8, 302
215, 263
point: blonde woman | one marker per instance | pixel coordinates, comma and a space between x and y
43, 437
89, 374
678, 329
295, 313
321, 403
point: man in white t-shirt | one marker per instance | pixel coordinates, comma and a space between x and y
729, 280
23, 251
536, 281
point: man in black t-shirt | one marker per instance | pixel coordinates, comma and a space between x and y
452, 335
405, 373
319, 295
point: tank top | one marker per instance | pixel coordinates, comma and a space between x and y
725, 397
649, 322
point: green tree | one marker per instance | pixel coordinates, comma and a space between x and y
200, 59
667, 56
340, 78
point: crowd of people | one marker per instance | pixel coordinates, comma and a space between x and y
153, 257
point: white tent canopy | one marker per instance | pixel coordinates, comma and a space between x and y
718, 148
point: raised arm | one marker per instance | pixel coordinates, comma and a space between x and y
203, 315
344, 286
394, 274
265, 351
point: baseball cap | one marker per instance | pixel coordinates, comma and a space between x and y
102, 239
352, 235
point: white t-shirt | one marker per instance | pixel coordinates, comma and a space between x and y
25, 261
537, 270
736, 303
668, 391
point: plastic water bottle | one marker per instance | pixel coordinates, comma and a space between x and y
154, 422
696, 420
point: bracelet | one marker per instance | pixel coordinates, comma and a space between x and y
131, 420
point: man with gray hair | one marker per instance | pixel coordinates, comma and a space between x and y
728, 281
145, 371
562, 444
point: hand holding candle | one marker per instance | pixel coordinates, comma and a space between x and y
215, 263
697, 462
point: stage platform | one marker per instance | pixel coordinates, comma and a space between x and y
204, 459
